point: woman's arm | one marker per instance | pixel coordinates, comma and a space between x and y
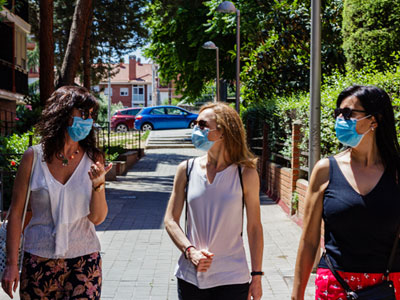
98, 204
200, 258
311, 235
11, 273
251, 187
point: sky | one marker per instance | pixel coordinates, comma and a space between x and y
138, 54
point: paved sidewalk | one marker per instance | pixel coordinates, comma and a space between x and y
138, 255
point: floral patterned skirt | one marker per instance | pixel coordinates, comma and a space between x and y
74, 278
328, 288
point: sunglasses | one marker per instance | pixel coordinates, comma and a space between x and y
85, 113
201, 123
346, 112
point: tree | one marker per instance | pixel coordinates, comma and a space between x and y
275, 44
73, 54
116, 28
371, 32
46, 46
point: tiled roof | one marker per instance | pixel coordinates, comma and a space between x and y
143, 74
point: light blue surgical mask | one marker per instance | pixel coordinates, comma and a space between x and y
200, 138
346, 131
80, 129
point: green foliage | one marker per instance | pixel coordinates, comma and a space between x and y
11, 150
117, 29
274, 44
103, 111
29, 113
371, 32
281, 112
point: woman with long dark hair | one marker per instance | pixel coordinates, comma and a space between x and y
67, 199
356, 193
217, 187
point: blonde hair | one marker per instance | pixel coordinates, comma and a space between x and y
229, 122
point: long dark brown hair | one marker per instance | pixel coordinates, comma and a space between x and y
54, 121
376, 102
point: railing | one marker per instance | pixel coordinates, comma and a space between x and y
7, 122
106, 138
267, 149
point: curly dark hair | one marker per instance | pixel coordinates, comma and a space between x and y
55, 117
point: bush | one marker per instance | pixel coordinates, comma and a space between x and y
281, 112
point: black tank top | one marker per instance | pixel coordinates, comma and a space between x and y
360, 230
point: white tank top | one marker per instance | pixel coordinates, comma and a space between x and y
215, 223
59, 227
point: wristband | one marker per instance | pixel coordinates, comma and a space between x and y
99, 188
255, 273
186, 250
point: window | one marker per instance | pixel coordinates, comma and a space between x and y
123, 91
106, 91
133, 112
157, 111
138, 94
175, 111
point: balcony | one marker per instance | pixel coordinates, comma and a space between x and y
21, 9
21, 79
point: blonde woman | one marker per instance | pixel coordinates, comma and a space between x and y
216, 188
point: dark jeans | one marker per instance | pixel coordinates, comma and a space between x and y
188, 291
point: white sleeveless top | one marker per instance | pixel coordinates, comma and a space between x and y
59, 227
215, 223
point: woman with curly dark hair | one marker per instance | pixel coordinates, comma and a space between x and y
67, 198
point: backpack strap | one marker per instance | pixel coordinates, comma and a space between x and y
189, 168
241, 184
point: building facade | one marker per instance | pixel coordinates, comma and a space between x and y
14, 28
137, 84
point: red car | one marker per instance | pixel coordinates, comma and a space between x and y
124, 119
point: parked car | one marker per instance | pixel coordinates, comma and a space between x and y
164, 117
123, 119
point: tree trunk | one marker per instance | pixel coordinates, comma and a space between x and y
46, 47
75, 42
86, 53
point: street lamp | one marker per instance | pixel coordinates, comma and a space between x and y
211, 45
229, 8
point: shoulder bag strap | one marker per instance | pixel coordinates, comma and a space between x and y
241, 184
188, 171
28, 193
343, 283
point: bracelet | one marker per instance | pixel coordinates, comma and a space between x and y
186, 250
98, 188
255, 273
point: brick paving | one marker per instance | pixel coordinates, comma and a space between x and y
138, 256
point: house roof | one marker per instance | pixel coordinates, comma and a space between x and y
143, 74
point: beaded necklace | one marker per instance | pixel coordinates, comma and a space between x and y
65, 160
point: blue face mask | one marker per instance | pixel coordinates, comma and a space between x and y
346, 131
200, 138
80, 128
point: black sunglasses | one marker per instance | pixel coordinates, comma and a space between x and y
201, 123
346, 112
85, 113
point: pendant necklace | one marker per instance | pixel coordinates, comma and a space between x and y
65, 160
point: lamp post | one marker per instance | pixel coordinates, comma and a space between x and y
211, 45
229, 7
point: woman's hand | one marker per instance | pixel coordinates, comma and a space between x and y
10, 279
201, 259
255, 290
97, 173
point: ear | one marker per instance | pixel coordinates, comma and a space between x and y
374, 123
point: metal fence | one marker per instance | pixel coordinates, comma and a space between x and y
106, 138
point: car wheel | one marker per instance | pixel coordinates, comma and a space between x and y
121, 128
147, 127
191, 124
